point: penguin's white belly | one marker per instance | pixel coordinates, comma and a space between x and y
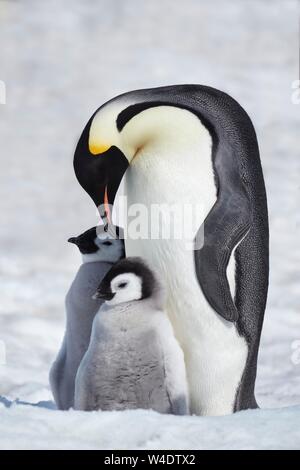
215, 355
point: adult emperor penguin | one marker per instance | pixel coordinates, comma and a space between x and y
192, 144
133, 359
99, 252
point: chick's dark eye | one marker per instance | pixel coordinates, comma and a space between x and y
122, 285
107, 243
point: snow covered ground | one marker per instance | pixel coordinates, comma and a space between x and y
60, 60
44, 428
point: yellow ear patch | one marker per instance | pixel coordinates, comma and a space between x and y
97, 147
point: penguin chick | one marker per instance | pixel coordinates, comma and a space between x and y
99, 252
133, 360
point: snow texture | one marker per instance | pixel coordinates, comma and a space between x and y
62, 59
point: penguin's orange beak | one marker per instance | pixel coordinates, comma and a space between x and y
107, 206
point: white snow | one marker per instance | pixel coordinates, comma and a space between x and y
48, 429
62, 59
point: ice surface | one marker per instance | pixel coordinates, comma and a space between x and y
60, 60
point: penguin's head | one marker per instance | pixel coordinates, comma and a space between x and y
99, 244
101, 158
128, 280
119, 132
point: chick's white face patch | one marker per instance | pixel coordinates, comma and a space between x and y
126, 287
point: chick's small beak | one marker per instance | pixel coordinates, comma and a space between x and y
73, 240
103, 295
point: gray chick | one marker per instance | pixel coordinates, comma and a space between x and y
99, 251
133, 360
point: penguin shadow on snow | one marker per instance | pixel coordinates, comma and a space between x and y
49, 405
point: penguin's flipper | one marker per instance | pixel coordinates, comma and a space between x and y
84, 395
57, 378
225, 226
